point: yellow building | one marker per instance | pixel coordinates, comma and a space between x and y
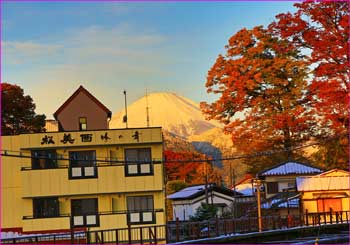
328, 192
83, 176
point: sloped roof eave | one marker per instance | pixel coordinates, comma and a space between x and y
81, 89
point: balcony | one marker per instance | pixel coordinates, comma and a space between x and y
111, 179
101, 220
46, 224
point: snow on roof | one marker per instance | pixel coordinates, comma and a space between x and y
318, 183
187, 192
282, 200
293, 203
197, 190
246, 189
290, 168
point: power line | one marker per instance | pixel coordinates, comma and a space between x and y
7, 153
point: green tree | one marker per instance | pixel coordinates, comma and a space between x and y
17, 112
204, 212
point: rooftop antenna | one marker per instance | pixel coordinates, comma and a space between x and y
125, 118
147, 109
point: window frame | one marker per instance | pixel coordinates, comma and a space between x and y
81, 124
43, 157
83, 215
141, 211
274, 187
37, 201
83, 168
138, 163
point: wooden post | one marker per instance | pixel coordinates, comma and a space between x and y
116, 236
155, 234
306, 217
141, 240
336, 217
102, 238
217, 226
330, 216
324, 217
208, 225
234, 226
87, 237
225, 229
129, 233
177, 230
71, 232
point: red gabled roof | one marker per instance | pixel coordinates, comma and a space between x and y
81, 89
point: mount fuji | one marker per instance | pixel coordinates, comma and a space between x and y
174, 113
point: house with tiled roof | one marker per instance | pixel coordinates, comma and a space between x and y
282, 177
328, 192
186, 201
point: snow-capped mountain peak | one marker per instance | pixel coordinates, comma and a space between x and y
172, 112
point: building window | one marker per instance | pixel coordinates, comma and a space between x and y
82, 123
140, 210
45, 207
44, 159
272, 187
82, 164
138, 161
85, 212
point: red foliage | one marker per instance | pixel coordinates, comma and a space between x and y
189, 171
321, 30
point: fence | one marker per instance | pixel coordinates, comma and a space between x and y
185, 230
182, 231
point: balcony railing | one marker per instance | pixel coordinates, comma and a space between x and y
144, 167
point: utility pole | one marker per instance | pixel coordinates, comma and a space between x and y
206, 184
147, 109
125, 118
234, 192
258, 183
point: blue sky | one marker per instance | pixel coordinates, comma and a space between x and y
51, 48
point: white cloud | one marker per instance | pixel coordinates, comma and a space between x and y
19, 52
109, 59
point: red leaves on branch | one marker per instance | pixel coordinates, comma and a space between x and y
321, 30
262, 80
185, 170
280, 86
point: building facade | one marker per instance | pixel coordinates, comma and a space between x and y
83, 178
186, 201
282, 177
328, 192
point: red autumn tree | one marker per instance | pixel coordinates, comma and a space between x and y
262, 88
184, 166
321, 31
